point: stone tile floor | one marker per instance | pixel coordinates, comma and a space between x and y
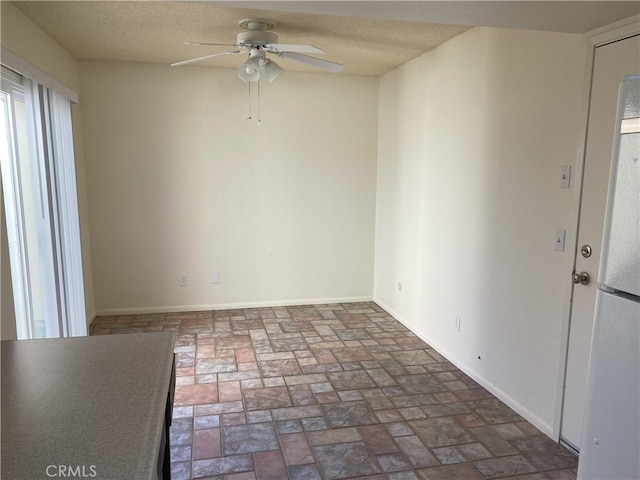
328, 392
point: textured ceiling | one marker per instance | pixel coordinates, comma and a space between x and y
155, 32
573, 16
369, 38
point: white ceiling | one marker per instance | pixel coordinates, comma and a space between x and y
369, 38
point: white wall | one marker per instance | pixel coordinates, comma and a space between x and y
180, 182
28, 41
472, 136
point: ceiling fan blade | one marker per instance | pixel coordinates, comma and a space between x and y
315, 62
207, 43
199, 59
285, 47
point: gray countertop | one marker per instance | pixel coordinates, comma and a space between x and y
92, 404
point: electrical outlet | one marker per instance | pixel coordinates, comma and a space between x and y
457, 323
183, 280
215, 277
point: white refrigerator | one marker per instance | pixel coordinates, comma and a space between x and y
611, 431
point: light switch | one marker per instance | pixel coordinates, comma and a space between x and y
565, 176
559, 243
215, 277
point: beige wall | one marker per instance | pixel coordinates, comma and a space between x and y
472, 136
180, 182
25, 39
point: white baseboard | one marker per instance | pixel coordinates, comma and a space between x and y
499, 393
90, 318
516, 406
228, 306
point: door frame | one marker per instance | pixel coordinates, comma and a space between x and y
596, 38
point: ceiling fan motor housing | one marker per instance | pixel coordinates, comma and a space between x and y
253, 38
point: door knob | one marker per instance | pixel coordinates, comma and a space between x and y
586, 251
581, 278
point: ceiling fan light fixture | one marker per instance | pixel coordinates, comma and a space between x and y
273, 70
249, 71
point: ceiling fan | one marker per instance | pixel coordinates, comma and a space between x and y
258, 41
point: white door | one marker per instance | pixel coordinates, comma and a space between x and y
611, 63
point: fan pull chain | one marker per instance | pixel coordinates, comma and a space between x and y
250, 116
259, 113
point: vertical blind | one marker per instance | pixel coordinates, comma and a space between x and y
51, 153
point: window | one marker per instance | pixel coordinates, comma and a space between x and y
40, 198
